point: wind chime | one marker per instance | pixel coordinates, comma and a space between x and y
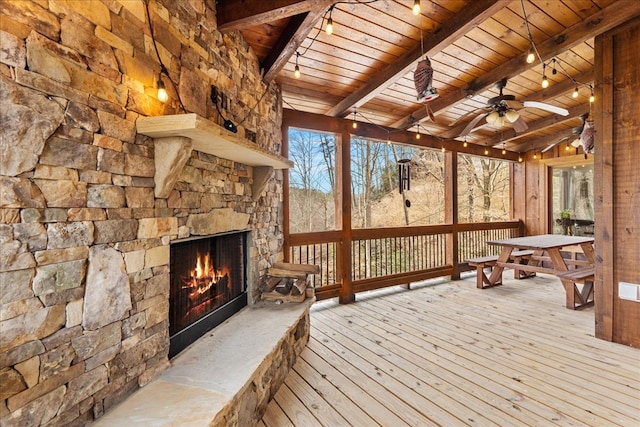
404, 175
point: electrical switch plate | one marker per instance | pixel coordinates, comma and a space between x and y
629, 291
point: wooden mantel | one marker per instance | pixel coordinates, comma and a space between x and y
210, 138
176, 135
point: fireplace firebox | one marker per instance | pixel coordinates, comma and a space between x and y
208, 285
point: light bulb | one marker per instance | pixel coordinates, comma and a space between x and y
592, 97
531, 56
486, 151
465, 144
329, 28
416, 7
418, 135
162, 92
535, 155
355, 124
520, 159
545, 82
575, 93
443, 149
567, 147
296, 72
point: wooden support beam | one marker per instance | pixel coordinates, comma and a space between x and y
598, 23
289, 41
240, 14
337, 125
432, 43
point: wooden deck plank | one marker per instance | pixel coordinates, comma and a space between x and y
334, 397
298, 413
365, 397
313, 400
275, 416
511, 355
433, 385
549, 378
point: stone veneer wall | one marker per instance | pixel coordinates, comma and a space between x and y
84, 275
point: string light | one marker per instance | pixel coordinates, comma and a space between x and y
545, 82
418, 131
535, 155
162, 91
486, 151
416, 7
329, 28
567, 147
575, 92
504, 148
592, 97
355, 123
531, 56
296, 70
553, 70
519, 158
443, 148
465, 142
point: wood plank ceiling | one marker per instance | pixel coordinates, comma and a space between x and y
367, 64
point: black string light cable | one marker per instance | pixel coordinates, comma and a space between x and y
329, 29
554, 62
163, 69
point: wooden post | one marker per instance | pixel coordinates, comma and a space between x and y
451, 209
343, 211
286, 248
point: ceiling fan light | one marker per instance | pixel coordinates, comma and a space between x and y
512, 115
493, 117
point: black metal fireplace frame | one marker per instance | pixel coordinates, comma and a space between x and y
186, 336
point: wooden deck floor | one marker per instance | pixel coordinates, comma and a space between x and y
454, 355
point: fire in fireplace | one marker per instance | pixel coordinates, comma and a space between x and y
208, 285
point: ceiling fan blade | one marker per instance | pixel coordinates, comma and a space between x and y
520, 125
516, 105
464, 117
546, 107
472, 124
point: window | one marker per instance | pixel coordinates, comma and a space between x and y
376, 197
311, 181
572, 199
483, 189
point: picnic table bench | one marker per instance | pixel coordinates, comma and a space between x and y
482, 281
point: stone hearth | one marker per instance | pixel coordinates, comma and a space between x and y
226, 378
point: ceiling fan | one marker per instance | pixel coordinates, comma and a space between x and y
504, 108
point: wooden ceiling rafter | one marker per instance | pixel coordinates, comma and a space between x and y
601, 21
240, 14
430, 44
291, 39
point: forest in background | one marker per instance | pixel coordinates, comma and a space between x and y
483, 185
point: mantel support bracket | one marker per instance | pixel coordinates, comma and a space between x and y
171, 154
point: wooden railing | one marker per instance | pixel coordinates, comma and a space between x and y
390, 256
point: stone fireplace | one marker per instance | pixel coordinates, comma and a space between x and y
90, 206
208, 285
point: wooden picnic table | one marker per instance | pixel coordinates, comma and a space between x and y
547, 247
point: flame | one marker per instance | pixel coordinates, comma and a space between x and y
202, 277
